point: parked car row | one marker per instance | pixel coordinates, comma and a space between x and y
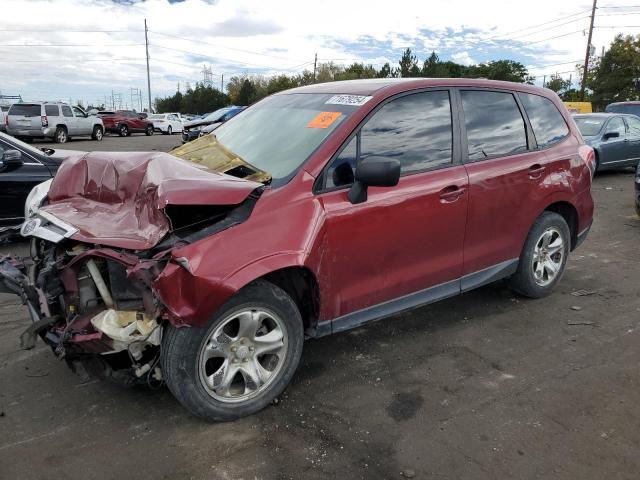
59, 121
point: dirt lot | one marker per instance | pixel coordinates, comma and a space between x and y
483, 386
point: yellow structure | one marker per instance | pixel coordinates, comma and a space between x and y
579, 107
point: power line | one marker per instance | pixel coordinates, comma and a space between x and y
538, 25
553, 65
201, 42
557, 36
79, 60
221, 58
546, 29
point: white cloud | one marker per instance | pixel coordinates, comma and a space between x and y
463, 58
237, 36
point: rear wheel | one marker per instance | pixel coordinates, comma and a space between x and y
241, 361
543, 257
60, 136
149, 131
97, 133
169, 130
123, 130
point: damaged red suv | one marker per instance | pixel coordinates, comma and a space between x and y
315, 211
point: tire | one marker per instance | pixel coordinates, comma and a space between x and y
149, 131
98, 133
534, 278
185, 369
169, 130
123, 130
596, 165
60, 135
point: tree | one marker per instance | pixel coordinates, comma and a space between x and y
615, 77
202, 99
558, 85
409, 64
386, 71
507, 70
247, 94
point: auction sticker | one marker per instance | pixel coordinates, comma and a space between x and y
355, 100
324, 119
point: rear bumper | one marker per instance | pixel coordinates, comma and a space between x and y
190, 135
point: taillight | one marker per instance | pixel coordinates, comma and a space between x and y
45, 121
588, 155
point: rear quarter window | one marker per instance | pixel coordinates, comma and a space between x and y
51, 110
25, 110
546, 120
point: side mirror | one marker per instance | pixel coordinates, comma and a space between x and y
609, 135
11, 159
373, 172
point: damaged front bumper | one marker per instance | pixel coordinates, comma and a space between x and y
95, 307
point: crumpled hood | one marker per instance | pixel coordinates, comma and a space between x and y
117, 198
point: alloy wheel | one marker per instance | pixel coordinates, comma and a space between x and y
243, 355
548, 255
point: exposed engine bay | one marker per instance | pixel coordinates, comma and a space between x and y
96, 251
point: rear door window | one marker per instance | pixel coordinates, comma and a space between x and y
66, 111
494, 124
25, 110
547, 122
51, 110
416, 129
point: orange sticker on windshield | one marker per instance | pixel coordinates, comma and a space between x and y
324, 119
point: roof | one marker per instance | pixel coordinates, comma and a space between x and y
624, 103
371, 86
602, 115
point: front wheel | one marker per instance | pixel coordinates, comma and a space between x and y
60, 136
241, 361
543, 257
123, 130
169, 130
149, 131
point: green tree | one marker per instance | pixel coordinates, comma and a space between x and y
201, 99
409, 64
558, 84
615, 77
508, 70
247, 94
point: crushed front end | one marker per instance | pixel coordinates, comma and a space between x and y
98, 244
95, 307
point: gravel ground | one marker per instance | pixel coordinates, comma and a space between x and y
483, 386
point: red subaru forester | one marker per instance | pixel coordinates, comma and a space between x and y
316, 210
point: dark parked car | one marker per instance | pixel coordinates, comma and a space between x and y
22, 167
637, 189
317, 210
126, 122
192, 129
632, 108
614, 137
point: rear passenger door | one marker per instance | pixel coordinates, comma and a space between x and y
507, 172
406, 238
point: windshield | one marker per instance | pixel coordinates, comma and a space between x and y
25, 110
212, 117
156, 117
278, 134
589, 126
631, 108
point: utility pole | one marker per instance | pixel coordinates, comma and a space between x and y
146, 43
544, 81
587, 54
222, 83
315, 64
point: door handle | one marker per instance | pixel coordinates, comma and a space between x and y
451, 193
536, 171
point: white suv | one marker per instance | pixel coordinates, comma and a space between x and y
56, 120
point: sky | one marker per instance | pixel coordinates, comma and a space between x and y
94, 50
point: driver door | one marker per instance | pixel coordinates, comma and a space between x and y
406, 239
83, 124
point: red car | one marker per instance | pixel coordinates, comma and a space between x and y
322, 208
126, 122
